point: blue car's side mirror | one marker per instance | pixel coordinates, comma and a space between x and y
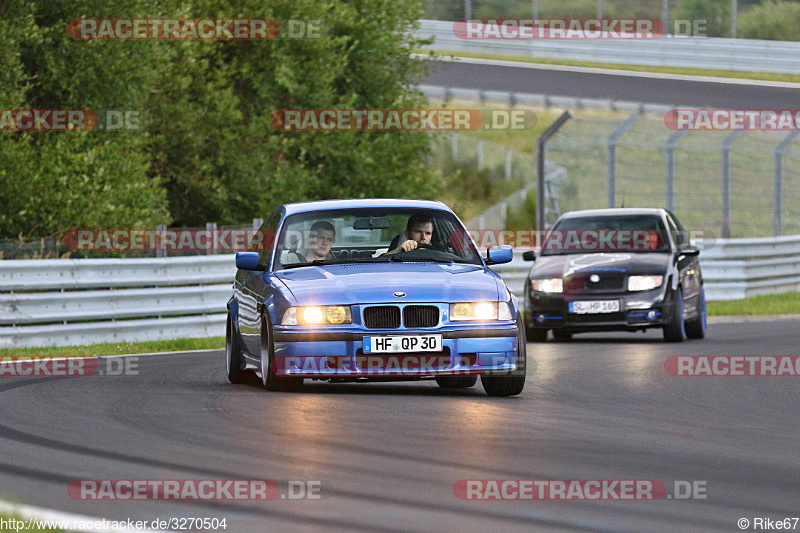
248, 261
496, 255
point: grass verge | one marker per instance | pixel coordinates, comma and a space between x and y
117, 348
784, 303
745, 75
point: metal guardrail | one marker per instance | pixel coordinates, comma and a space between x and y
694, 52
87, 301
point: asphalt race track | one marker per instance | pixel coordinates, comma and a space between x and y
388, 454
655, 89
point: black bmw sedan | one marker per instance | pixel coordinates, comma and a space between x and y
615, 269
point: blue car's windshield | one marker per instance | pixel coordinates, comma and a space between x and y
373, 235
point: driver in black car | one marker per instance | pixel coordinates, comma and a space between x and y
419, 230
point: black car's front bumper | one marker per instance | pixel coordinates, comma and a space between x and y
637, 310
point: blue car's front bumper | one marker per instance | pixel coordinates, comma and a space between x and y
337, 352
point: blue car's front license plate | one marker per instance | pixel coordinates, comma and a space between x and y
403, 343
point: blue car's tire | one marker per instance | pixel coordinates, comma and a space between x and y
456, 382
269, 379
696, 328
233, 357
509, 383
674, 330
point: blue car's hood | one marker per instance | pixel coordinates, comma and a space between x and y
362, 283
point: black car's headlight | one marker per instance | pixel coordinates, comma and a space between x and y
548, 285
644, 283
317, 315
479, 311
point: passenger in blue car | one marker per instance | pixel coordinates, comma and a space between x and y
419, 230
320, 241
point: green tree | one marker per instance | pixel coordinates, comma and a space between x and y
207, 150
772, 20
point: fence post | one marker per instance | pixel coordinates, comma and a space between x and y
777, 220
540, 145
257, 222
726, 182
508, 162
454, 147
480, 154
612, 155
671, 142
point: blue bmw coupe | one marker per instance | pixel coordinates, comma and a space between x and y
372, 290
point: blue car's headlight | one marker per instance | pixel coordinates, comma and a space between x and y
316, 315
479, 311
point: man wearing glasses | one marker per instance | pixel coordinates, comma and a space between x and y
320, 241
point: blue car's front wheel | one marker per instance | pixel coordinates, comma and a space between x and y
512, 382
233, 356
269, 378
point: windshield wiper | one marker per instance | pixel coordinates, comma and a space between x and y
318, 262
425, 260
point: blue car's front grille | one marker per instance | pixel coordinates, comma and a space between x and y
384, 316
420, 316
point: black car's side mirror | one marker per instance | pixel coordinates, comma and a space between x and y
530, 255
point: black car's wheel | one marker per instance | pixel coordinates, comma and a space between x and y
509, 383
696, 328
674, 330
456, 382
233, 357
536, 334
561, 335
269, 379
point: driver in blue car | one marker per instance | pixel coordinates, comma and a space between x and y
320, 240
419, 230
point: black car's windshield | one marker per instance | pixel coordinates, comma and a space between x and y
630, 233
373, 235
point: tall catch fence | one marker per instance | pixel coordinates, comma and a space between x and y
727, 184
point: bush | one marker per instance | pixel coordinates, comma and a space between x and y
772, 20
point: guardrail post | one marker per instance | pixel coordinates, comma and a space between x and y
777, 221
726, 182
160, 251
670, 153
612, 155
540, 145
211, 227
